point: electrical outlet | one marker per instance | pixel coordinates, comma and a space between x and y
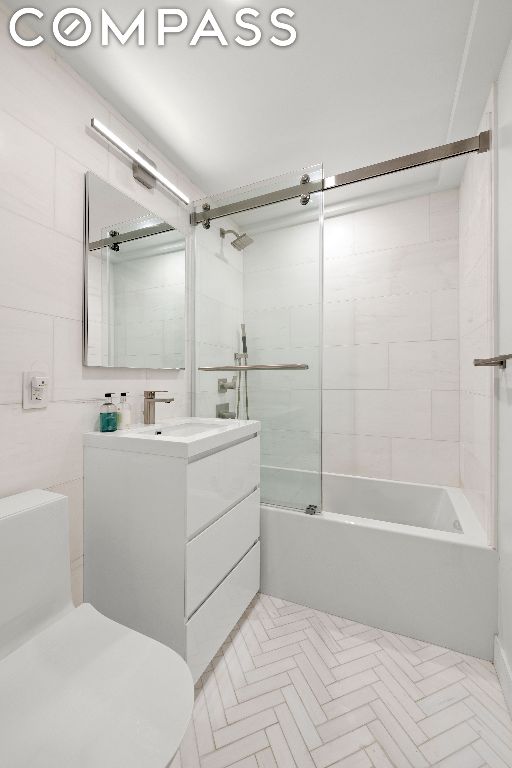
36, 386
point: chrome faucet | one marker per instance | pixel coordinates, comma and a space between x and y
149, 403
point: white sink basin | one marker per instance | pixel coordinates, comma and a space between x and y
176, 437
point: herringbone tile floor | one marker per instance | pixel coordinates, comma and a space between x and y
296, 687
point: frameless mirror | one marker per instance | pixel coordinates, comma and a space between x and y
134, 297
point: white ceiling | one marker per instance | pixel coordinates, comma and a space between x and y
367, 80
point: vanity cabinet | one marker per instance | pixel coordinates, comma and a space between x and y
171, 542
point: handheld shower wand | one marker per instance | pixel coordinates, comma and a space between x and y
246, 356
241, 358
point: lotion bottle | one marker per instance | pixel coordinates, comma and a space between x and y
124, 413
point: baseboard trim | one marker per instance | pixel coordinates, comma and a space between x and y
504, 671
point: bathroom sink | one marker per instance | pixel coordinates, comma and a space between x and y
183, 437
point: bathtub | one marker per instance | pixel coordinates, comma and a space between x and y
402, 557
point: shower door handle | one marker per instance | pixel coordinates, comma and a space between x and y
498, 362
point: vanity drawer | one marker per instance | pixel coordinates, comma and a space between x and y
211, 625
218, 481
212, 554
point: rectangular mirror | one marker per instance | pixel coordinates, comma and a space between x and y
134, 293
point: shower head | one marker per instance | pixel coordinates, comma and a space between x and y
241, 242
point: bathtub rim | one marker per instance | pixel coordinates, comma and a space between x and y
472, 534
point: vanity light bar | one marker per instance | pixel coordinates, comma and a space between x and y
136, 157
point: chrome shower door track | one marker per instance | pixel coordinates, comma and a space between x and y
480, 143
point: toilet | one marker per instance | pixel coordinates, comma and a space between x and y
77, 690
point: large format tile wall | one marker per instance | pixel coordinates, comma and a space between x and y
149, 306
391, 356
282, 310
477, 333
219, 301
45, 150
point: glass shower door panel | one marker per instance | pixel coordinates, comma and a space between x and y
280, 304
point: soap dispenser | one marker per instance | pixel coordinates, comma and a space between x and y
124, 413
108, 415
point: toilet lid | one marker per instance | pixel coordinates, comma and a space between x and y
89, 693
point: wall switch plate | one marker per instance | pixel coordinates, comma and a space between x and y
36, 387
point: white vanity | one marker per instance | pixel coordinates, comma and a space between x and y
171, 526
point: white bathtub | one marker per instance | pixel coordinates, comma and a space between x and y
406, 558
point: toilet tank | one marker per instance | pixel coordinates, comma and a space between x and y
35, 583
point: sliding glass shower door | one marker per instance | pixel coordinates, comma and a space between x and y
259, 308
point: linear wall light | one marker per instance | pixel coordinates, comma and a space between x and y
138, 159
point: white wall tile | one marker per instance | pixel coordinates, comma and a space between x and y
305, 326
475, 308
339, 323
43, 448
427, 267
338, 411
26, 344
218, 280
445, 416
270, 328
445, 314
393, 318
72, 381
476, 344
391, 226
476, 423
359, 367
426, 461
444, 215
287, 286
391, 329
476, 320
357, 277
41, 269
389, 413
27, 172
286, 248
69, 196
424, 365
338, 236
357, 455
475, 467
